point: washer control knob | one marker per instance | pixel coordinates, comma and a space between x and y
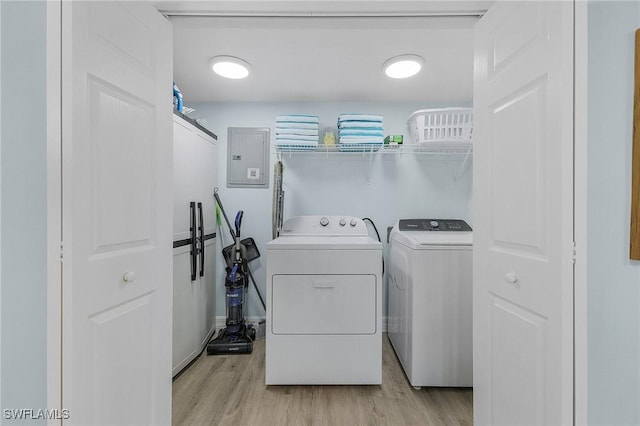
343, 222
353, 222
324, 221
434, 224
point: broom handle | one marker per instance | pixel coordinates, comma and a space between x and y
215, 195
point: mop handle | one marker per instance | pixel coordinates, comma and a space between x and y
215, 195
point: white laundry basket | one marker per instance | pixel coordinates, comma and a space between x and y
441, 125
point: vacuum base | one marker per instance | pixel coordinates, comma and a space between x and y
226, 344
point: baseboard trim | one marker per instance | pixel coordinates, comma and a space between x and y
255, 322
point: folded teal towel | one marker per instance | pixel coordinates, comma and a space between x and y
295, 145
361, 139
289, 125
362, 131
295, 142
359, 117
297, 137
360, 124
298, 118
307, 132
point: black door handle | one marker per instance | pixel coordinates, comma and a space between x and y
194, 248
201, 229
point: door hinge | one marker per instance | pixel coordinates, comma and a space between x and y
573, 251
61, 251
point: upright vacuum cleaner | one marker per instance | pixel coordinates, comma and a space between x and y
237, 337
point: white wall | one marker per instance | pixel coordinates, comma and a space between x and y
613, 279
383, 188
23, 199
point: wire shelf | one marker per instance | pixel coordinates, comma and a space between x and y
425, 148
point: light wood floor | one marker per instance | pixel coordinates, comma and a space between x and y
230, 390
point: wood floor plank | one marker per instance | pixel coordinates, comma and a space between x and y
230, 390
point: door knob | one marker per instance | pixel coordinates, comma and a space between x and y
511, 278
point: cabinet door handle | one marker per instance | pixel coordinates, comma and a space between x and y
201, 229
511, 278
324, 284
129, 277
194, 248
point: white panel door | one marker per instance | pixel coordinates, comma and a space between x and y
523, 214
117, 214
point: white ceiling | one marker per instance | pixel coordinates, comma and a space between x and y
301, 51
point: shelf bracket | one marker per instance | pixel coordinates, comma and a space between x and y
463, 166
370, 167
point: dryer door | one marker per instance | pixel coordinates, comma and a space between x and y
323, 304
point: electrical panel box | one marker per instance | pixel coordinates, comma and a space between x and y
248, 157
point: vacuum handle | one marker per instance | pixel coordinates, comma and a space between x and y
234, 271
239, 222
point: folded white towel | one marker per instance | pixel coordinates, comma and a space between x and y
284, 125
359, 117
306, 132
297, 137
295, 142
372, 125
362, 139
298, 118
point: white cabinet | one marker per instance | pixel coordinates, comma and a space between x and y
194, 226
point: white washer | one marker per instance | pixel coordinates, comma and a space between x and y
430, 301
324, 303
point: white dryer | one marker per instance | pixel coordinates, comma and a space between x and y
430, 301
324, 303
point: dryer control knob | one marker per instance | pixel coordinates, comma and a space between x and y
353, 222
343, 222
324, 221
434, 224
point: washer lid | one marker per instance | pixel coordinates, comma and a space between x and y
294, 242
428, 239
434, 225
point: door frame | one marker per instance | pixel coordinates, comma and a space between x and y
580, 137
54, 208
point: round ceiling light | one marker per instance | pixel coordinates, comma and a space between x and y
403, 66
230, 67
